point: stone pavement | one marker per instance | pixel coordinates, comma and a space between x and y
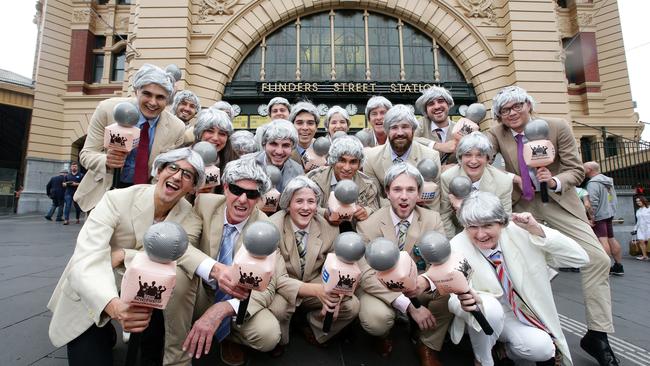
35, 251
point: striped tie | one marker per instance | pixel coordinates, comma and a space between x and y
403, 227
526, 316
302, 251
398, 160
225, 256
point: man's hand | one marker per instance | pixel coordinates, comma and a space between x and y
133, 319
199, 339
469, 301
115, 158
422, 316
455, 202
421, 285
526, 221
360, 214
227, 284
516, 179
332, 218
117, 257
544, 175
446, 147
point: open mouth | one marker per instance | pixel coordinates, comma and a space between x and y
172, 187
240, 209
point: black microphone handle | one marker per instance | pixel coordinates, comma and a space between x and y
327, 322
543, 188
480, 318
241, 311
117, 172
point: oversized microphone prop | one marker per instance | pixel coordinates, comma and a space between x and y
314, 157
209, 155
254, 262
122, 135
338, 134
538, 151
342, 201
460, 187
271, 199
449, 271
174, 71
468, 124
340, 272
429, 170
364, 137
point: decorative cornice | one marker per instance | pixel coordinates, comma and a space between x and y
210, 8
479, 9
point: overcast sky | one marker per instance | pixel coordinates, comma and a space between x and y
19, 38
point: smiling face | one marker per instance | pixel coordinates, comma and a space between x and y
279, 111
306, 126
346, 167
152, 100
278, 151
515, 115
175, 180
186, 110
302, 207
403, 194
485, 236
438, 112
216, 137
400, 136
337, 123
239, 208
474, 163
376, 119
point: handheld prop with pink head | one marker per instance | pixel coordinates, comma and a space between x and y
122, 135
538, 151
209, 155
315, 155
342, 201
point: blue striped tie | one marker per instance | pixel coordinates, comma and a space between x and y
225, 257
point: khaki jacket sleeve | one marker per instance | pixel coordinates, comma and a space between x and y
571, 171
93, 156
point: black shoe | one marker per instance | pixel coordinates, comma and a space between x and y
569, 269
48, 218
599, 349
617, 270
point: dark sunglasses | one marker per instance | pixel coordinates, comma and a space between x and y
238, 191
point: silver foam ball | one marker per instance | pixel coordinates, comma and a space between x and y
434, 247
322, 146
536, 129
475, 112
460, 186
346, 191
126, 114
382, 254
261, 238
349, 247
174, 71
365, 138
165, 242
429, 169
207, 151
338, 134
274, 174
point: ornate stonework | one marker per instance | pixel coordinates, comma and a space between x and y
85, 15
216, 7
478, 9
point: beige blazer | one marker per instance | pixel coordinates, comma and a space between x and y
379, 160
98, 178
368, 188
88, 282
567, 166
425, 136
527, 257
493, 180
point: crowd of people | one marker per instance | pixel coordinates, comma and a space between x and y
508, 234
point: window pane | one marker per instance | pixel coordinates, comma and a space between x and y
98, 68
281, 54
100, 41
349, 45
117, 69
383, 42
418, 55
448, 69
315, 52
250, 69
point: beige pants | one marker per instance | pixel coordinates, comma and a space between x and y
348, 311
178, 318
377, 318
595, 275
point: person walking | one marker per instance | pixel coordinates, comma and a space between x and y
642, 227
54, 190
70, 184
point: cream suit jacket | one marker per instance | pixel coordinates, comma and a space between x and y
368, 188
425, 136
88, 282
98, 178
567, 166
379, 160
493, 181
527, 257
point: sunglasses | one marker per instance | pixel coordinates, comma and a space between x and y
238, 191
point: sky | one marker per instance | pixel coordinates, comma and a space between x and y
16, 20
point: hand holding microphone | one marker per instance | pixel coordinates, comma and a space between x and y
341, 205
212, 172
459, 188
271, 199
429, 170
121, 137
539, 152
314, 157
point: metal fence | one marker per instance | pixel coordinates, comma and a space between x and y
626, 161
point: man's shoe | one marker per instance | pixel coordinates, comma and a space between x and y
384, 346
78, 222
617, 270
48, 218
311, 338
277, 351
428, 357
232, 353
66, 222
599, 349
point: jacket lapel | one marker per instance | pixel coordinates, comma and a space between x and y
216, 231
143, 210
509, 146
412, 233
291, 249
387, 228
314, 244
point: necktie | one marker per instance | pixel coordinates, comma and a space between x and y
403, 226
141, 173
439, 133
398, 160
225, 257
528, 192
302, 250
522, 313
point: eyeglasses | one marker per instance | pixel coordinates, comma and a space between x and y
251, 194
517, 107
186, 175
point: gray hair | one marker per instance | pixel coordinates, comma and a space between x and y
184, 153
211, 118
301, 107
376, 102
345, 145
397, 114
507, 95
277, 100
279, 129
226, 107
152, 74
430, 95
481, 208
475, 140
334, 110
402, 168
243, 142
247, 168
295, 185
182, 95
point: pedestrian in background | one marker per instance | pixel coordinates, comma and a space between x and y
55, 191
642, 227
70, 184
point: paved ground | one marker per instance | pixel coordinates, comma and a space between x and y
34, 253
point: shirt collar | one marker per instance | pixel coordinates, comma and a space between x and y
488, 252
397, 220
239, 227
333, 181
434, 127
152, 123
404, 156
296, 228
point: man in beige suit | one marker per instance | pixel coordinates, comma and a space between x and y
305, 119
153, 90
400, 125
403, 223
225, 217
512, 107
473, 154
376, 109
86, 297
436, 127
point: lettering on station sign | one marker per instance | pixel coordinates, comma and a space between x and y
343, 87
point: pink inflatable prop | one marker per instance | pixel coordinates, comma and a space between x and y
148, 283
